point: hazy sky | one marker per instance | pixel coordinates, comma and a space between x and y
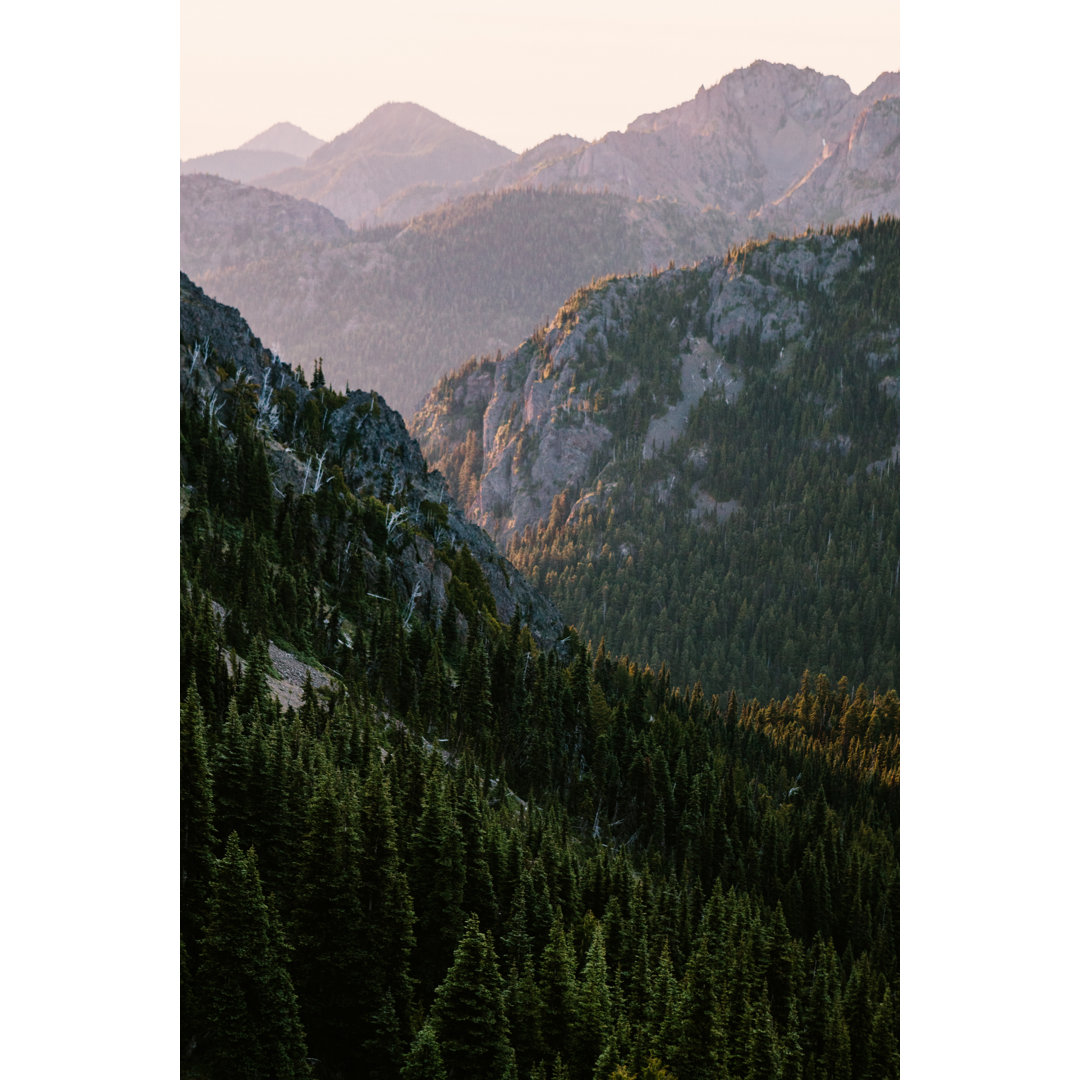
514, 74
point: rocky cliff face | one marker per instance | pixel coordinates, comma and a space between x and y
859, 175
222, 361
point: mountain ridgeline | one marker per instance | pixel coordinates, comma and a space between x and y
404, 304
444, 245
426, 830
701, 466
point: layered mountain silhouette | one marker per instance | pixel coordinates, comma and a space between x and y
446, 244
397, 146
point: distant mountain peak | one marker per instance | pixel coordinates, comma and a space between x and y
395, 147
402, 127
285, 138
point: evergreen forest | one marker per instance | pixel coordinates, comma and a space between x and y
475, 842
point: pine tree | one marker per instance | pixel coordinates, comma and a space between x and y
250, 1027
468, 1016
424, 1061
885, 1042
197, 835
437, 884
557, 988
232, 772
694, 1036
382, 1027
329, 927
592, 1014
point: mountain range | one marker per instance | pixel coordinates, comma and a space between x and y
455, 227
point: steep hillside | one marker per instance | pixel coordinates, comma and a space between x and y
859, 175
394, 147
701, 465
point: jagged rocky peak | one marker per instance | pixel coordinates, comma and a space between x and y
365, 446
760, 94
887, 84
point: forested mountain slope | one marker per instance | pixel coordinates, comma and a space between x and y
470, 854
702, 465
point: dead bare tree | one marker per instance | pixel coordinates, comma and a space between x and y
214, 407
266, 410
393, 521
410, 607
319, 474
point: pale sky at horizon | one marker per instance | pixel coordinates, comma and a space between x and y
511, 75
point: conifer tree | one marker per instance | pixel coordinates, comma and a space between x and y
250, 1026
884, 1061
468, 1016
695, 1033
592, 1016
437, 884
424, 1061
385, 905
232, 772
557, 988
329, 928
197, 835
